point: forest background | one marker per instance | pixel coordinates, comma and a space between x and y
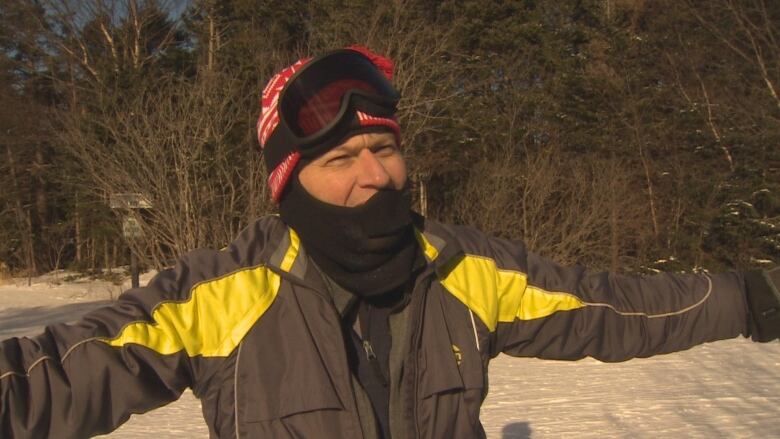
630, 135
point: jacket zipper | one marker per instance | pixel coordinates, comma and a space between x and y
374, 362
416, 337
370, 354
356, 415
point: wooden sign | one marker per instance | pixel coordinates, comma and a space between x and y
129, 201
131, 228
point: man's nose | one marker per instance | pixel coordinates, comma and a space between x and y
372, 172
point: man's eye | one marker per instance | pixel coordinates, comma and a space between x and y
385, 150
337, 160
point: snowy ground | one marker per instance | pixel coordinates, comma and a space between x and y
725, 389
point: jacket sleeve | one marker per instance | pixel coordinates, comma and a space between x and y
87, 378
556, 312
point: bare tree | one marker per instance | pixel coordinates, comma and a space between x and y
566, 208
174, 142
751, 36
106, 38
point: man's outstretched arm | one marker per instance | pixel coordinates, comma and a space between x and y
79, 380
140, 353
535, 307
569, 313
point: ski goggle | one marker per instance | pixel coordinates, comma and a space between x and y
318, 105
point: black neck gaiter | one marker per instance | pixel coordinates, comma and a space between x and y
368, 249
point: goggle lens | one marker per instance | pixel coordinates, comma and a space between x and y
317, 97
324, 107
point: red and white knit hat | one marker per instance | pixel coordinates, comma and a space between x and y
269, 117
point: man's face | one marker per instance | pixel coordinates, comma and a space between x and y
349, 174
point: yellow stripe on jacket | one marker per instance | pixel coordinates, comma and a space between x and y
215, 318
496, 295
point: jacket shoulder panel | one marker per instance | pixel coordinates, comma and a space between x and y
496, 295
212, 321
488, 278
215, 313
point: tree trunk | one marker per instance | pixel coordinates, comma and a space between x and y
423, 196
77, 220
106, 261
41, 202
31, 265
212, 42
614, 241
650, 191
23, 219
92, 255
114, 254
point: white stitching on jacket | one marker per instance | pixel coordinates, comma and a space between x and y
70, 349
26, 374
235, 386
474, 327
47, 357
655, 316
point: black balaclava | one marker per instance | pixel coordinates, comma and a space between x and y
368, 249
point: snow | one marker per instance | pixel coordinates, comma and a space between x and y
724, 389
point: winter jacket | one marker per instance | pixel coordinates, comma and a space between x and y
253, 332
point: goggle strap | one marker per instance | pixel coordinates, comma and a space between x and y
365, 119
369, 120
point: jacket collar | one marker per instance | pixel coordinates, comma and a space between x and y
288, 258
287, 254
440, 248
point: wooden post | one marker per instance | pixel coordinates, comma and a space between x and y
133, 269
131, 229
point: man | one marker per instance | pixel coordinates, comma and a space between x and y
348, 316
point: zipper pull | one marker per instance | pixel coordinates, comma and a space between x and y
374, 362
369, 350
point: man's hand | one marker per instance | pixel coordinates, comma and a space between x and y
763, 295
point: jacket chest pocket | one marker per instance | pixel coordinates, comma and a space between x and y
282, 386
452, 373
450, 367
452, 349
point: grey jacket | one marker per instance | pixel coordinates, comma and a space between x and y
253, 332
